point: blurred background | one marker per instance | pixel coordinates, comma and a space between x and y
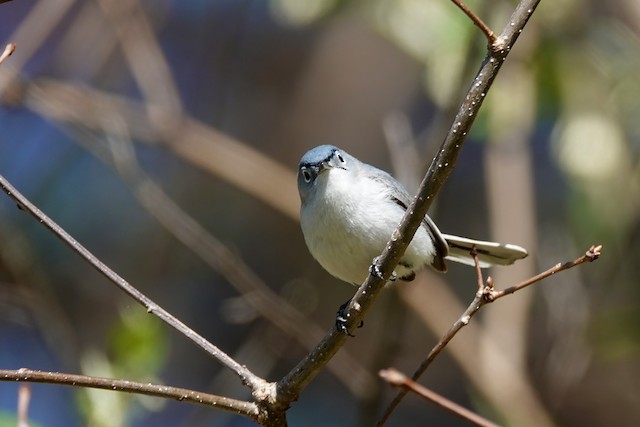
164, 135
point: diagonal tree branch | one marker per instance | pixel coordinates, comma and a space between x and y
437, 174
24, 204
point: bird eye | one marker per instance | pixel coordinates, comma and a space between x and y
339, 156
306, 174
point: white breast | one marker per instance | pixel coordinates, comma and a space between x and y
348, 223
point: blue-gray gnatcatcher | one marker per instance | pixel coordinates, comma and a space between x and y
350, 209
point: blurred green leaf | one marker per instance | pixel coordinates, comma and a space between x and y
137, 344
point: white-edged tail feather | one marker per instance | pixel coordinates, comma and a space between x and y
489, 253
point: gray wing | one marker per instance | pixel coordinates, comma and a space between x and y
448, 246
401, 197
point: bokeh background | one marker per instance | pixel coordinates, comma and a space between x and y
164, 135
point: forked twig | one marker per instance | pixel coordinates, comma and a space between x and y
485, 295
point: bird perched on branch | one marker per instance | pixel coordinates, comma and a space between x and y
350, 210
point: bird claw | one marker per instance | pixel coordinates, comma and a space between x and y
342, 317
376, 271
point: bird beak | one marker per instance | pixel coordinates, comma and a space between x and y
324, 166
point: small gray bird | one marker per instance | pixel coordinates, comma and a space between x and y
350, 209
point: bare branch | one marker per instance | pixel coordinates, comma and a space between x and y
184, 395
24, 204
591, 255
398, 379
476, 261
484, 296
462, 321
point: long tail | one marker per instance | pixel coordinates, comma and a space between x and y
489, 253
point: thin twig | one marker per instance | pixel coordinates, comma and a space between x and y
8, 50
474, 254
488, 32
398, 379
184, 395
484, 296
591, 255
462, 321
24, 204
